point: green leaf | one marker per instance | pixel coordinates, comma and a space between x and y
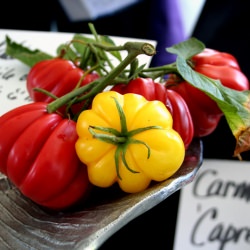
234, 104
106, 40
66, 52
81, 42
24, 54
188, 48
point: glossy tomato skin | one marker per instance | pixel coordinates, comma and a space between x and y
57, 76
38, 156
182, 121
12, 124
141, 86
216, 65
219, 66
204, 120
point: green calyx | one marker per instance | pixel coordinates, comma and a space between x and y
122, 139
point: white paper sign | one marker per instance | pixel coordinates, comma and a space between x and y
13, 92
214, 210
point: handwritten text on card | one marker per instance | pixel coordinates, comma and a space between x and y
214, 209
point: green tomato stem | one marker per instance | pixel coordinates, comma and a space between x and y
112, 139
160, 71
133, 48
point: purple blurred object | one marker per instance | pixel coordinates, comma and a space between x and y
166, 28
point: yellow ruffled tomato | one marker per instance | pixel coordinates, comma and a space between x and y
129, 140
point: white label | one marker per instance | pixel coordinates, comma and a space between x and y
214, 209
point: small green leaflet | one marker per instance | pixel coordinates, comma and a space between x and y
188, 48
24, 54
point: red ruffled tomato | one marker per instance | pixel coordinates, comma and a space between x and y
37, 154
218, 66
58, 77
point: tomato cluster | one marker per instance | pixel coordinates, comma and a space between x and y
39, 154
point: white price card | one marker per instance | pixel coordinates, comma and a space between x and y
214, 210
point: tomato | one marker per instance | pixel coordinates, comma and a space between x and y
128, 140
218, 66
182, 120
37, 154
58, 77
